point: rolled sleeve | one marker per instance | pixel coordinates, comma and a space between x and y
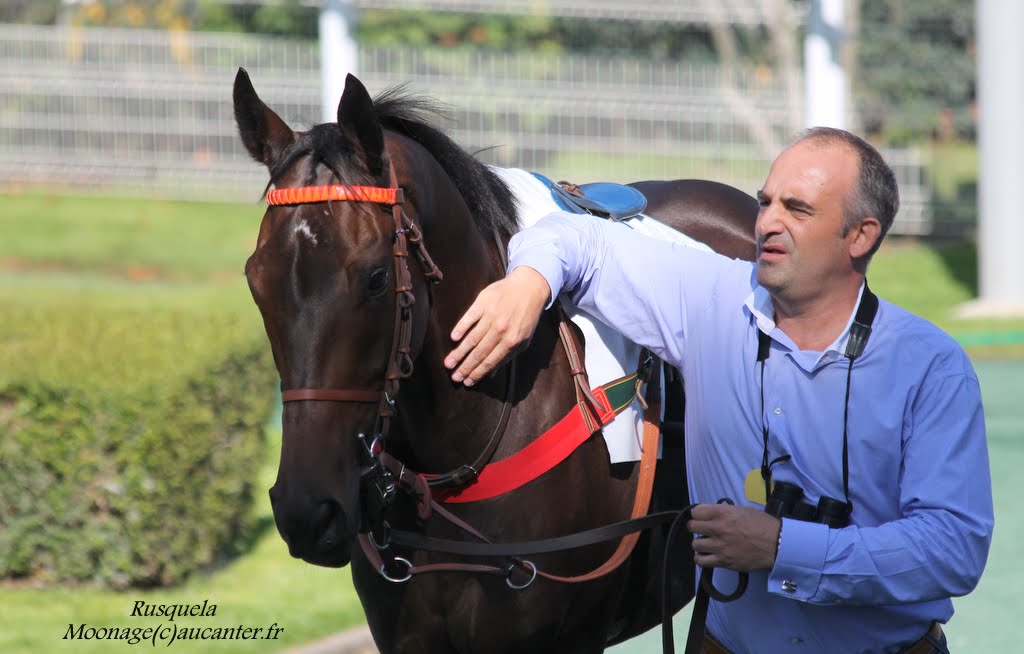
800, 560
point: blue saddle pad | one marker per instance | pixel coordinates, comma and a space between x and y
606, 199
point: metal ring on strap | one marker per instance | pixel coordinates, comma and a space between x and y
533, 575
397, 580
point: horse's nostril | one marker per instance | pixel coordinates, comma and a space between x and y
326, 511
324, 517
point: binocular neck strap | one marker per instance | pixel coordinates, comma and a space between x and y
857, 340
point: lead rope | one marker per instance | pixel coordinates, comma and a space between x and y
706, 591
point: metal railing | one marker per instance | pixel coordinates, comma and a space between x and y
135, 111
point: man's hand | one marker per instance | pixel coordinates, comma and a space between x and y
499, 323
739, 538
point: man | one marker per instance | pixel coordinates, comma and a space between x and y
886, 439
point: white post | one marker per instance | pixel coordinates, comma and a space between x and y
1000, 38
825, 83
338, 54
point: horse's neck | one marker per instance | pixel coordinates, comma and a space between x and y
445, 425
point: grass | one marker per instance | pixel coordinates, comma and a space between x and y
134, 239
933, 283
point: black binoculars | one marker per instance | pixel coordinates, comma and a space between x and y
786, 501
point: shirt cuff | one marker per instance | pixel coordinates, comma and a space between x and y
550, 270
800, 560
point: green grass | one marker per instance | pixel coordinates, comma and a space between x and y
933, 283
135, 239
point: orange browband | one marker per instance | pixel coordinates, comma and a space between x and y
311, 194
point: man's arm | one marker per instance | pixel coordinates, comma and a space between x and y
633, 283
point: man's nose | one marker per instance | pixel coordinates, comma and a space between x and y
767, 222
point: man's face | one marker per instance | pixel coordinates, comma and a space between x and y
800, 248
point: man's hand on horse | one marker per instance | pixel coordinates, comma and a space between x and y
739, 538
499, 323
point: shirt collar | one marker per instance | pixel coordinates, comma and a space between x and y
759, 303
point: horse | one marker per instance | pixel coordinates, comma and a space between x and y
349, 322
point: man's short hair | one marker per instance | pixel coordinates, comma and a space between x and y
876, 193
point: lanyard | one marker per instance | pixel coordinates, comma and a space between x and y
860, 330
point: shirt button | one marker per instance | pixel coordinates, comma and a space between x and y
796, 640
789, 586
778, 410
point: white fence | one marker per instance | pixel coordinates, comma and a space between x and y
134, 111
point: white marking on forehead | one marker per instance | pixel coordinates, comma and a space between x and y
302, 229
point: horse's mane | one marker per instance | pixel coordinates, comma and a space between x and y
489, 199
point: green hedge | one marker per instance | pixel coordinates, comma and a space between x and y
129, 440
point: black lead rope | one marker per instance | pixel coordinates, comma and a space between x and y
706, 591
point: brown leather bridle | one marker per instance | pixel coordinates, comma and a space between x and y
407, 234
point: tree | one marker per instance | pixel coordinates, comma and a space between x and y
33, 12
916, 69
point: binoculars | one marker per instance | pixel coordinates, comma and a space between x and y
786, 501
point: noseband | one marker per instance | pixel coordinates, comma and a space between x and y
407, 234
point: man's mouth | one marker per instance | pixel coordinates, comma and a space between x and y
770, 251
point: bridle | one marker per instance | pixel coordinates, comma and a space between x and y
406, 234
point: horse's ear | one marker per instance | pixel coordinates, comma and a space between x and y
357, 119
263, 132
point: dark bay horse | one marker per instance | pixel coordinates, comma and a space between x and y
326, 273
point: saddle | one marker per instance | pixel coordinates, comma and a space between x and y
603, 199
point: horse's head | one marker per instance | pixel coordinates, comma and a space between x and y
344, 310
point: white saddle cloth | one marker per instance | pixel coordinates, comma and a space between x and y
608, 354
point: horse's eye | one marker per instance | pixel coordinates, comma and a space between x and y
377, 282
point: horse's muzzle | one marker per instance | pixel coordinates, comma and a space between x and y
315, 530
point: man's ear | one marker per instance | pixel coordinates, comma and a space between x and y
864, 236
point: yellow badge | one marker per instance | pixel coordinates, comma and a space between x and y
753, 487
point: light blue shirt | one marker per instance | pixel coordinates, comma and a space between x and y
919, 475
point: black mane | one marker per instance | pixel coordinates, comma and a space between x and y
488, 197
